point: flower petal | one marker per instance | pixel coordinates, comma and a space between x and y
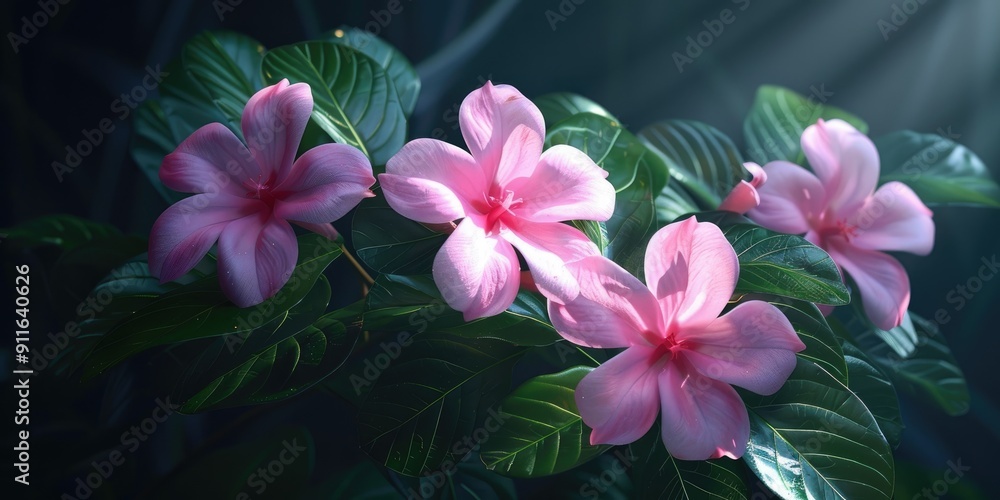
618, 400
210, 160
612, 310
547, 247
744, 196
692, 270
477, 274
520, 155
894, 219
256, 257
432, 181
489, 115
789, 199
881, 279
752, 346
324, 184
845, 161
565, 185
273, 122
185, 231
702, 418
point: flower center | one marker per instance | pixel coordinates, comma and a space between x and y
666, 348
260, 191
830, 228
499, 209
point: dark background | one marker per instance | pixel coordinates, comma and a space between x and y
939, 71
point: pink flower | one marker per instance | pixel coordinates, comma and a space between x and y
744, 197
510, 194
680, 355
840, 211
248, 196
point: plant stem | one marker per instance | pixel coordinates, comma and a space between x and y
357, 265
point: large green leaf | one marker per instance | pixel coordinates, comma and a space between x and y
815, 438
200, 310
940, 171
785, 265
916, 357
773, 127
270, 363
432, 404
543, 433
414, 304
610, 146
876, 391
659, 475
355, 100
701, 158
558, 106
390, 243
226, 65
822, 345
404, 77
632, 224
61, 230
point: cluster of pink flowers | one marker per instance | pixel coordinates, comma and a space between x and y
510, 198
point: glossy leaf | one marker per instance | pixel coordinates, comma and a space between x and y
543, 433
390, 243
404, 77
226, 66
774, 125
815, 438
785, 265
200, 310
659, 475
435, 401
876, 391
414, 304
632, 224
919, 361
62, 230
701, 158
355, 100
822, 345
940, 171
558, 106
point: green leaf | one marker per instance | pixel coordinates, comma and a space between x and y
404, 77
435, 401
815, 438
605, 477
822, 345
270, 363
940, 171
785, 265
610, 146
240, 471
543, 433
559, 106
773, 127
659, 475
918, 360
390, 243
200, 310
63, 231
672, 203
413, 303
876, 391
355, 101
701, 158
226, 65
595, 231
632, 224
